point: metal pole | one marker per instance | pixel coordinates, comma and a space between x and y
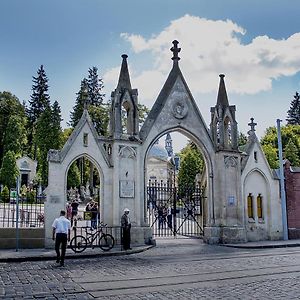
17, 215
282, 188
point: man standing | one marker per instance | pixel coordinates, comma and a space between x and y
61, 234
126, 226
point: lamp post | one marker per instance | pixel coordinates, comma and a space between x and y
282, 189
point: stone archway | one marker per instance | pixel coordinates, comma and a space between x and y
86, 191
185, 207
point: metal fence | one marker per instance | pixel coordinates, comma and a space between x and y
26, 211
173, 211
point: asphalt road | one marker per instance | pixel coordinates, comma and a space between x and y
175, 269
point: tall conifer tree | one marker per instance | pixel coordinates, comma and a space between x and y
293, 117
39, 101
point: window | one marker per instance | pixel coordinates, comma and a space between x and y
250, 205
255, 156
259, 206
85, 139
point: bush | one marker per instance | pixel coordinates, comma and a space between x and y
30, 196
5, 194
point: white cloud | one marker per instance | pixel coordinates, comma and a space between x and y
212, 47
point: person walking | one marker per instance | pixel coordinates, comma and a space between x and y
126, 226
61, 235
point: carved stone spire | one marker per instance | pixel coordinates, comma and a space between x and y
124, 79
222, 94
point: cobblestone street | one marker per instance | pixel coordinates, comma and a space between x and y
175, 269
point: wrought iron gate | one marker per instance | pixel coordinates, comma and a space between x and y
172, 211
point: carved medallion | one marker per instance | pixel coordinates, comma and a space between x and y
180, 109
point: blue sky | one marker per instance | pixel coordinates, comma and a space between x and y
255, 43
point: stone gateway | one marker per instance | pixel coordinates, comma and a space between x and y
242, 200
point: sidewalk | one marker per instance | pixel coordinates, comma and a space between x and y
12, 255
49, 254
266, 244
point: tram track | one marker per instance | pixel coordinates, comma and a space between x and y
204, 279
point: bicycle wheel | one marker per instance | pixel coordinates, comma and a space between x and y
106, 242
78, 243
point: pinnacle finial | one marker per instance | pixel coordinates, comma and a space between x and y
124, 78
175, 50
252, 125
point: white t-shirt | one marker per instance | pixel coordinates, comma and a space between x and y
61, 225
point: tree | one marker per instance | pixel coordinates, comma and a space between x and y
292, 153
43, 141
5, 194
9, 106
9, 170
56, 125
48, 136
242, 139
90, 96
15, 135
40, 100
293, 117
95, 85
65, 134
271, 155
191, 163
143, 113
81, 99
269, 142
73, 179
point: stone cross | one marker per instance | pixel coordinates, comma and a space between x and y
175, 50
252, 124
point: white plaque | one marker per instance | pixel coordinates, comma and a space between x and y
126, 188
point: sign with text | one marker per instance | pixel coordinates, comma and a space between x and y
126, 188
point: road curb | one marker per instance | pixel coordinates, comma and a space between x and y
75, 256
262, 246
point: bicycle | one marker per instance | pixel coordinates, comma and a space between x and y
79, 243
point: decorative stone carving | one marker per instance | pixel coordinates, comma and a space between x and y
54, 155
127, 152
180, 109
230, 161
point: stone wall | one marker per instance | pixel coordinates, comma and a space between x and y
292, 187
29, 238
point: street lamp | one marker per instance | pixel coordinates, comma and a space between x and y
282, 189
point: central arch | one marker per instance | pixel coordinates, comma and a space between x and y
207, 209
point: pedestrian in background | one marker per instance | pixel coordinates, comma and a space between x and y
61, 234
126, 226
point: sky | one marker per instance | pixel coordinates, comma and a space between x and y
256, 44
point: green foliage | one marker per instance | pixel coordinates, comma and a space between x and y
9, 170
73, 179
100, 118
65, 134
82, 98
271, 155
143, 113
95, 85
44, 143
39, 101
242, 139
191, 163
10, 106
293, 117
269, 142
5, 194
30, 196
15, 135
292, 153
90, 96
